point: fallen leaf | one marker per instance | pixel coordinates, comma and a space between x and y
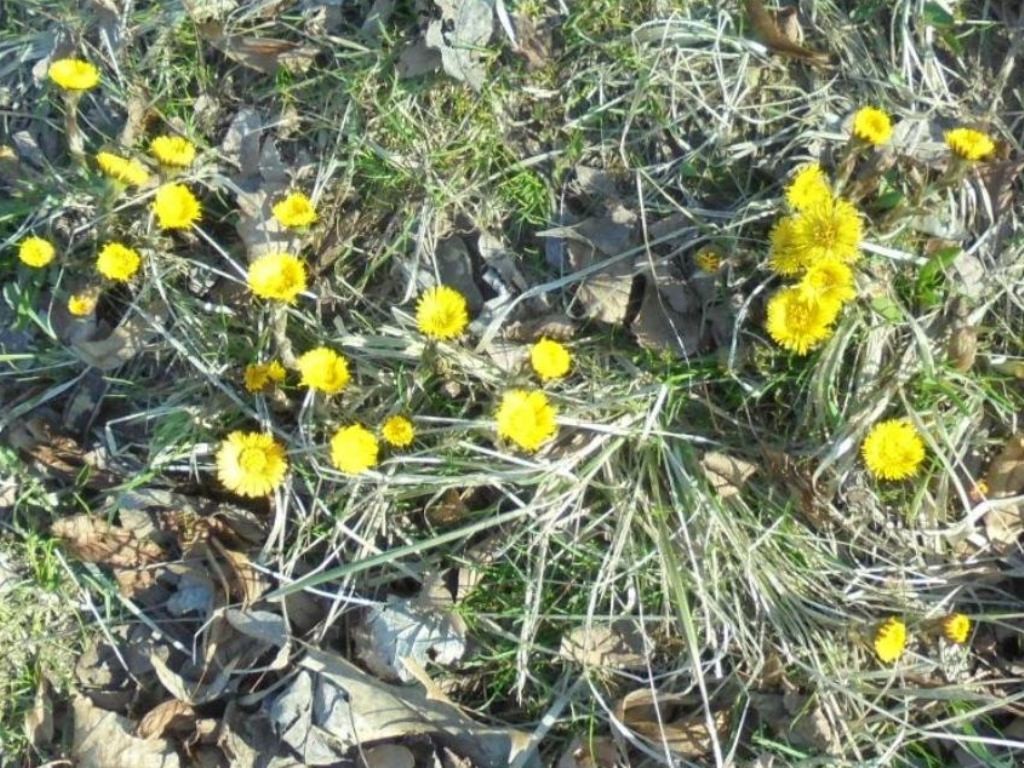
555, 326
170, 716
1005, 478
962, 348
595, 752
798, 719
188, 691
418, 59
123, 343
619, 645
726, 474
389, 756
263, 54
366, 709
103, 740
39, 719
461, 32
653, 716
455, 268
774, 38
402, 629
96, 541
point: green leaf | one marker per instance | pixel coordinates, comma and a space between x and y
929, 288
937, 16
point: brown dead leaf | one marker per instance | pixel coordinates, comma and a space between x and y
263, 54
1005, 478
555, 326
595, 752
56, 453
726, 474
798, 719
659, 326
247, 583
963, 347
97, 541
124, 343
39, 719
171, 716
655, 717
388, 756
619, 645
103, 740
770, 34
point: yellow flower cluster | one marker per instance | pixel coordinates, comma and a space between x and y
969, 144
816, 243
175, 151
118, 262
36, 252
122, 169
258, 377
891, 636
294, 211
176, 207
872, 125
251, 463
279, 276
74, 74
893, 450
82, 304
442, 313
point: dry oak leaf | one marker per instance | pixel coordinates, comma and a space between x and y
726, 474
103, 740
97, 541
1005, 478
619, 645
653, 716
170, 716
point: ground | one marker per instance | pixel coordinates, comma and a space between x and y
695, 568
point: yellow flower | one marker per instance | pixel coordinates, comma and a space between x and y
258, 376
786, 257
296, 210
118, 262
526, 418
122, 169
251, 463
969, 143
893, 450
891, 640
36, 252
829, 281
708, 260
176, 207
74, 74
278, 276
354, 449
550, 359
808, 187
956, 627
797, 323
173, 150
442, 313
82, 304
828, 228
324, 369
872, 125
398, 431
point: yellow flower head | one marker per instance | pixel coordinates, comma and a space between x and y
36, 252
893, 450
74, 74
398, 431
786, 256
278, 276
118, 262
122, 169
442, 313
173, 150
550, 360
829, 281
82, 304
891, 640
324, 369
956, 627
808, 187
708, 260
296, 210
259, 376
872, 125
354, 449
829, 228
526, 418
798, 323
176, 207
969, 143
251, 463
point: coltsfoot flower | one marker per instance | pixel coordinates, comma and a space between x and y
176, 207
324, 370
82, 304
708, 260
526, 418
354, 449
808, 187
251, 463
798, 323
74, 74
893, 450
891, 640
260, 376
398, 431
829, 281
969, 143
956, 628
173, 150
279, 276
872, 125
828, 229
36, 252
442, 313
786, 257
295, 210
122, 169
550, 360
117, 261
